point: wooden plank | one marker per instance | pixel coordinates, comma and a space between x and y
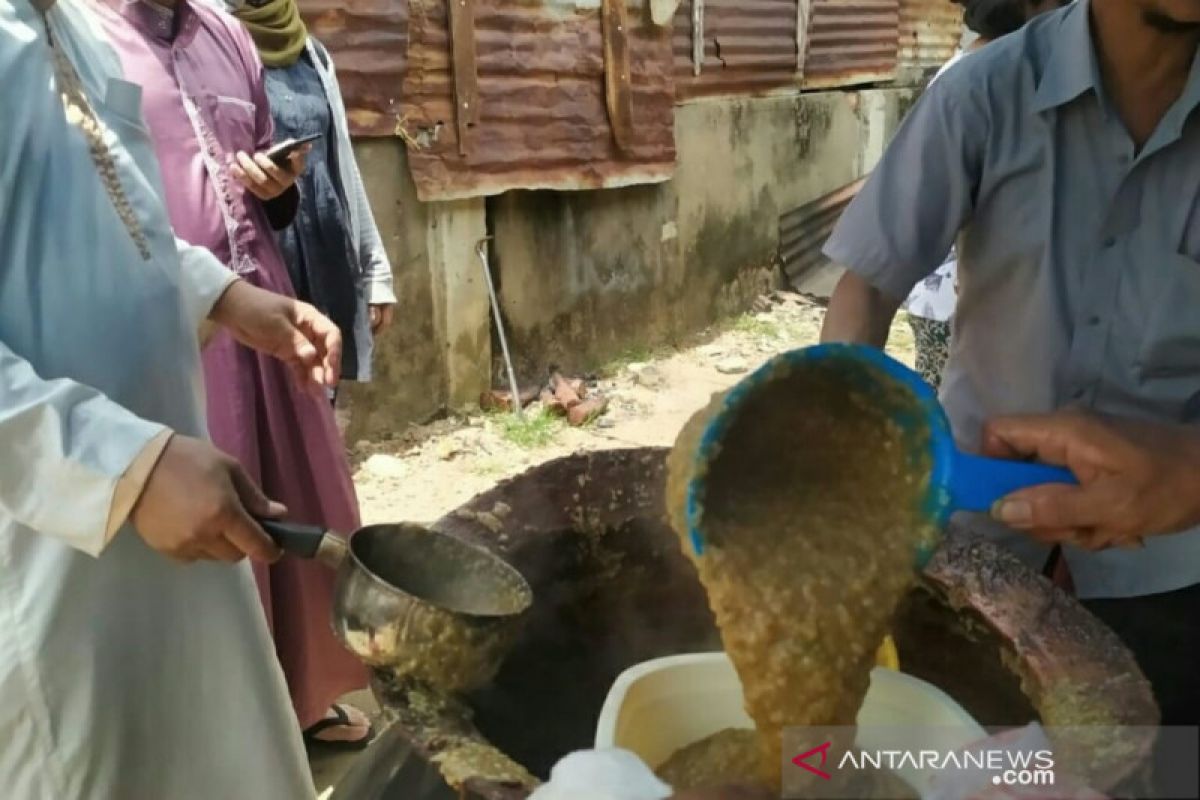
464, 67
619, 97
803, 7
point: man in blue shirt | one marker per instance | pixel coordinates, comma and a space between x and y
1065, 160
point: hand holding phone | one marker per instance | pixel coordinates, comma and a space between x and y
281, 152
267, 174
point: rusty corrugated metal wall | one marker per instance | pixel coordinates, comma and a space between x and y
749, 47
851, 42
804, 231
542, 120
369, 42
929, 32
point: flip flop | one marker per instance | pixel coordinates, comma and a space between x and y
340, 719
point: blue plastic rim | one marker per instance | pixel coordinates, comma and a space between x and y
875, 372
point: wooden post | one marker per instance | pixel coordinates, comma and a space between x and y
802, 15
619, 97
466, 79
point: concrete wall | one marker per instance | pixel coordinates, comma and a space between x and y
583, 276
438, 351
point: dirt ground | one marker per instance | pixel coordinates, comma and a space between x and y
434, 468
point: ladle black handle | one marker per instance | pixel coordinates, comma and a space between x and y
300, 540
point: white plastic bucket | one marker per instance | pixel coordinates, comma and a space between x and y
657, 707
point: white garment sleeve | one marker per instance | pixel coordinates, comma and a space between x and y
376, 268
65, 447
203, 278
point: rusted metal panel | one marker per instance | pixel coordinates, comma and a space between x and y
851, 42
803, 231
929, 33
369, 43
543, 118
749, 47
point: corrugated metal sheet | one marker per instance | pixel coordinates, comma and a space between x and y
929, 32
851, 42
749, 47
803, 232
369, 42
542, 118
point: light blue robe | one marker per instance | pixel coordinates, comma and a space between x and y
123, 676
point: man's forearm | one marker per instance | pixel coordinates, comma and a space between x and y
858, 313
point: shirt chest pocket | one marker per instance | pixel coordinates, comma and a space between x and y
122, 107
1170, 345
233, 121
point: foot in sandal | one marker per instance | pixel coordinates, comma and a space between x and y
344, 726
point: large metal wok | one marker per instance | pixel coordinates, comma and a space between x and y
416, 603
613, 588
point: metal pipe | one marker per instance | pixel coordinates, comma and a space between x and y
481, 251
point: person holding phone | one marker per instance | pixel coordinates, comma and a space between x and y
333, 249
209, 118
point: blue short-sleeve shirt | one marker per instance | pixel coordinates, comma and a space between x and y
1079, 256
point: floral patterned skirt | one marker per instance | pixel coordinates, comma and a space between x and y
933, 347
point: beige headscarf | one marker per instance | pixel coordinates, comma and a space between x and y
278, 31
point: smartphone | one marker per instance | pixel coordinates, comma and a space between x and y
281, 152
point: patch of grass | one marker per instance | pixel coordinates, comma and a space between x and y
749, 324
488, 469
635, 354
533, 430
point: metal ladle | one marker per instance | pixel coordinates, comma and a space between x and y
416, 602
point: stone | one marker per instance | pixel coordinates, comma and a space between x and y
447, 449
733, 366
385, 466
646, 375
710, 351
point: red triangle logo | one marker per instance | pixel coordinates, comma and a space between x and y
801, 760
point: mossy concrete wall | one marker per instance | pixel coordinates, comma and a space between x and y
438, 351
585, 276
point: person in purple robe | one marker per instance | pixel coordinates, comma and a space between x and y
208, 116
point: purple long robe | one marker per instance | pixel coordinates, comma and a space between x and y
204, 100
